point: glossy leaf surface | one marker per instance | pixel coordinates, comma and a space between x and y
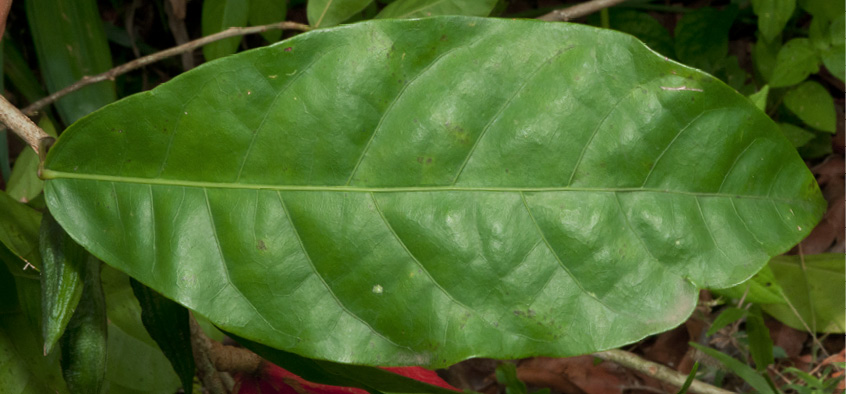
419, 192
61, 279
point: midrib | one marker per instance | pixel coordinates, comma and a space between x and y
55, 175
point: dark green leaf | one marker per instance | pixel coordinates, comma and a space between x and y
702, 37
760, 343
336, 374
825, 8
8, 291
797, 135
219, 15
405, 9
796, 60
328, 13
84, 341
726, 317
518, 185
644, 27
19, 229
23, 368
62, 262
773, 16
764, 54
818, 147
506, 374
167, 323
834, 56
690, 377
70, 44
19, 73
740, 369
810, 292
135, 363
812, 103
263, 12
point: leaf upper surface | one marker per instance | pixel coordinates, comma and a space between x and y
420, 192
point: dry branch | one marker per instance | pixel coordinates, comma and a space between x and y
152, 58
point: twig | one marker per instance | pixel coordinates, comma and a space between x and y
201, 346
579, 10
21, 125
657, 371
143, 61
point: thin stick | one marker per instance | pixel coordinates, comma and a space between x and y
578, 10
657, 371
143, 61
21, 125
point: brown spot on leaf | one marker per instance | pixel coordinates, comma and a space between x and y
261, 245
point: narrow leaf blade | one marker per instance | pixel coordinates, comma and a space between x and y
167, 323
61, 285
84, 349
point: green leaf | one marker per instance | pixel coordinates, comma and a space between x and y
796, 60
834, 57
523, 216
263, 12
24, 184
84, 341
810, 292
135, 363
70, 44
818, 147
19, 73
824, 8
773, 16
406, 9
740, 369
23, 368
167, 323
702, 37
796, 135
327, 13
726, 317
134, 366
372, 379
506, 374
219, 15
762, 289
759, 98
644, 27
19, 229
62, 262
812, 103
764, 55
690, 377
760, 343
8, 291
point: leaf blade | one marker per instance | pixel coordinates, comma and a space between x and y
461, 182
